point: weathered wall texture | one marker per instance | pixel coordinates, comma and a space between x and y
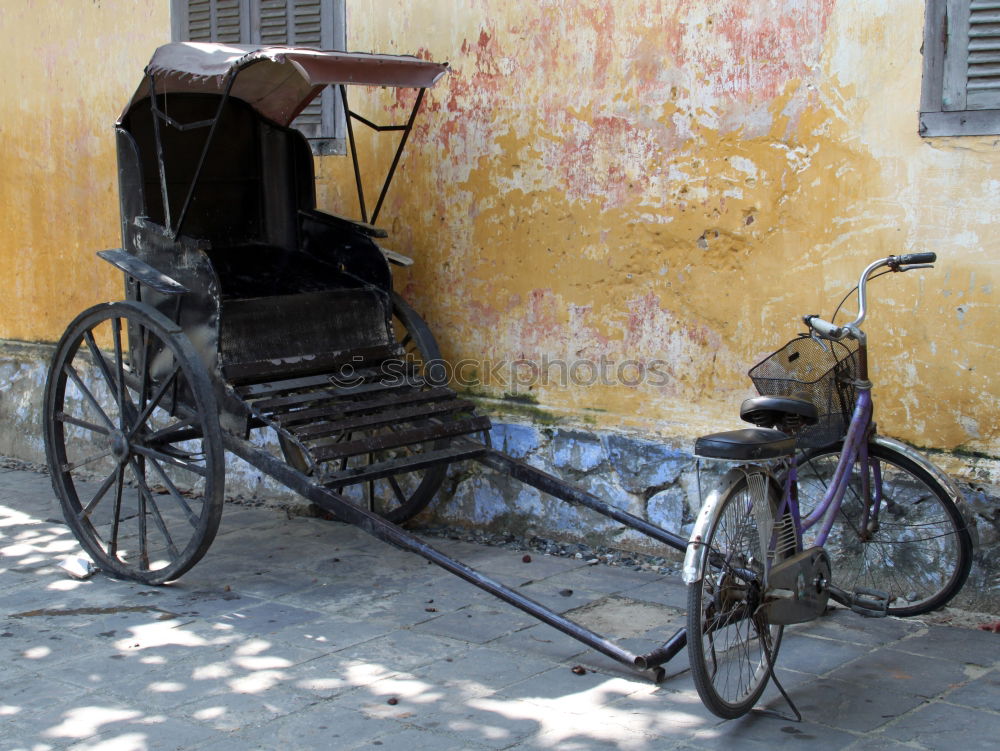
643, 193
69, 69
680, 181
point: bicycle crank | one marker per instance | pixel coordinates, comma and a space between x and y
799, 588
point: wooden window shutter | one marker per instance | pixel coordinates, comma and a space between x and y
215, 21
983, 57
961, 83
302, 23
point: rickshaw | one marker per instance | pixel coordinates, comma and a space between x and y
249, 312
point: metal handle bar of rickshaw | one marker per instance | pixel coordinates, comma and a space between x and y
907, 262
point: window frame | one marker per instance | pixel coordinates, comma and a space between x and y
945, 75
332, 138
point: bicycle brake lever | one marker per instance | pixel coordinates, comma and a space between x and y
816, 338
812, 332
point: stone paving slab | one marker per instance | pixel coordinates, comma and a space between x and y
980, 693
941, 726
300, 633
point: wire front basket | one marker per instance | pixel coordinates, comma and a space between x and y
825, 377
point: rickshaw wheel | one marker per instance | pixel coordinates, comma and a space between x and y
133, 442
402, 496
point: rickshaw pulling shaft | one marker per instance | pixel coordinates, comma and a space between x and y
386, 531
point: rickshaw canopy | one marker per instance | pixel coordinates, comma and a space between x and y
278, 82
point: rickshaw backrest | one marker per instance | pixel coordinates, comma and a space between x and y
278, 286
255, 178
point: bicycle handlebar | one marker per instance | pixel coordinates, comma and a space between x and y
907, 262
912, 258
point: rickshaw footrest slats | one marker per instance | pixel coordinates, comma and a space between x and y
315, 430
389, 467
387, 441
260, 376
407, 396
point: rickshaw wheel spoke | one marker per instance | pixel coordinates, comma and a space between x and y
98, 496
141, 418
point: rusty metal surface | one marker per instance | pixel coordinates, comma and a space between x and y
392, 439
319, 428
377, 470
142, 272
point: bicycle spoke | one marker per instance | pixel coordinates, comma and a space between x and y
143, 494
400, 495
144, 379
161, 525
175, 432
122, 394
371, 486
727, 633
148, 506
917, 550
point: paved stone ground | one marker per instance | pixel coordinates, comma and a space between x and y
305, 634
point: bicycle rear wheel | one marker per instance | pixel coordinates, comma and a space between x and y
918, 551
730, 641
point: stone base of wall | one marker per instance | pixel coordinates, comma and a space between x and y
655, 480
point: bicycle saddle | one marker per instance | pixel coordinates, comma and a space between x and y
749, 444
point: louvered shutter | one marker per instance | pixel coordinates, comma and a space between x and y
302, 23
961, 83
983, 68
299, 23
971, 77
215, 21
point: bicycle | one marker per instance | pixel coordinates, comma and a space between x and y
818, 507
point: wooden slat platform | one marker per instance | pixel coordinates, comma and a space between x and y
385, 421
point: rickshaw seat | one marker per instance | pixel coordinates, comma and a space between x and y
255, 198
292, 284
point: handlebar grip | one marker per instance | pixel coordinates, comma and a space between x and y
911, 258
823, 328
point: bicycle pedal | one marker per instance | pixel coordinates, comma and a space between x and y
870, 603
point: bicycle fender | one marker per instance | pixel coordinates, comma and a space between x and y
697, 552
925, 464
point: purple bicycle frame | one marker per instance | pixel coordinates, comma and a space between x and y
855, 447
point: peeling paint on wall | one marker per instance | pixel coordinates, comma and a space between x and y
682, 181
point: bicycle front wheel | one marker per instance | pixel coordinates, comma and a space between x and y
730, 641
916, 548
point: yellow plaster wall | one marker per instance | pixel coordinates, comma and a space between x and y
69, 68
598, 180
631, 179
